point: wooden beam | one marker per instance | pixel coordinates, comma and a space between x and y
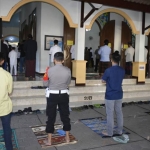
83, 19
82, 14
143, 23
121, 4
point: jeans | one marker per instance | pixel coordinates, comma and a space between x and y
22, 62
112, 105
62, 100
7, 131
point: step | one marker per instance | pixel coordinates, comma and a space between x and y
28, 84
77, 90
76, 100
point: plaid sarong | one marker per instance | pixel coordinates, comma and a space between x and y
103, 66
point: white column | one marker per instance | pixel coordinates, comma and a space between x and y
79, 43
139, 48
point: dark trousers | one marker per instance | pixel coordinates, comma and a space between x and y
128, 68
22, 60
30, 68
96, 66
5, 65
7, 131
62, 100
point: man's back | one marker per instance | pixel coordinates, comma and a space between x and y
104, 52
13, 57
5, 88
114, 77
54, 50
59, 77
129, 54
30, 48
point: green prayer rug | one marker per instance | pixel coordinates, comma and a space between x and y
14, 140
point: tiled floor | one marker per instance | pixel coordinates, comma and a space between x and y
136, 121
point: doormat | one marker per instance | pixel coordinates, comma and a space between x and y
98, 125
57, 139
14, 140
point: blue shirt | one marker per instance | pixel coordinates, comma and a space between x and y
113, 77
104, 52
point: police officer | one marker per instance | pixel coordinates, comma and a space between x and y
59, 79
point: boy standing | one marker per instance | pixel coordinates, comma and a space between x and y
13, 61
5, 103
113, 78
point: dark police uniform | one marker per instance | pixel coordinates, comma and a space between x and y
59, 79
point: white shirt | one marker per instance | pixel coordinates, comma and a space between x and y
129, 54
72, 51
92, 53
145, 55
54, 50
13, 57
18, 54
105, 51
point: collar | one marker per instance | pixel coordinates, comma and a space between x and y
115, 65
58, 65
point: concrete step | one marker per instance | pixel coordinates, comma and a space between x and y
28, 84
78, 90
76, 99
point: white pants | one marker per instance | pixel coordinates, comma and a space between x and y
15, 69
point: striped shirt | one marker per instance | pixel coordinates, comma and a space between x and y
59, 77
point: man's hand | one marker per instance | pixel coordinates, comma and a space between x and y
103, 81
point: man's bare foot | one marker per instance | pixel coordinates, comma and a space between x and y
47, 142
67, 139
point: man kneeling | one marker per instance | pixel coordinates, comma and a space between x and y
59, 79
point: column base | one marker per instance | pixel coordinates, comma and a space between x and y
79, 72
138, 71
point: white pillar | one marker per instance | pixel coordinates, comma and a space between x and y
139, 48
79, 43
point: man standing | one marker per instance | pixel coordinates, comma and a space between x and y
5, 51
5, 104
97, 58
30, 48
129, 53
72, 51
58, 96
54, 50
113, 78
13, 61
22, 57
104, 53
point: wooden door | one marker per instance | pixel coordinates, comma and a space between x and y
69, 35
108, 32
126, 37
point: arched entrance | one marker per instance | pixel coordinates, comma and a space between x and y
51, 2
113, 10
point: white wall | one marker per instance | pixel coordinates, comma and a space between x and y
52, 23
118, 26
94, 32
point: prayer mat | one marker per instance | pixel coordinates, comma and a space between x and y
14, 141
57, 138
98, 125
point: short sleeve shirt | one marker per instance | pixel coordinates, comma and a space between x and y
104, 52
113, 77
72, 51
54, 50
129, 54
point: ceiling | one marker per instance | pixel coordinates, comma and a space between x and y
137, 5
145, 2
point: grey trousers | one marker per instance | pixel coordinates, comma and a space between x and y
111, 106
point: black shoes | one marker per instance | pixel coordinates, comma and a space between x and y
27, 111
